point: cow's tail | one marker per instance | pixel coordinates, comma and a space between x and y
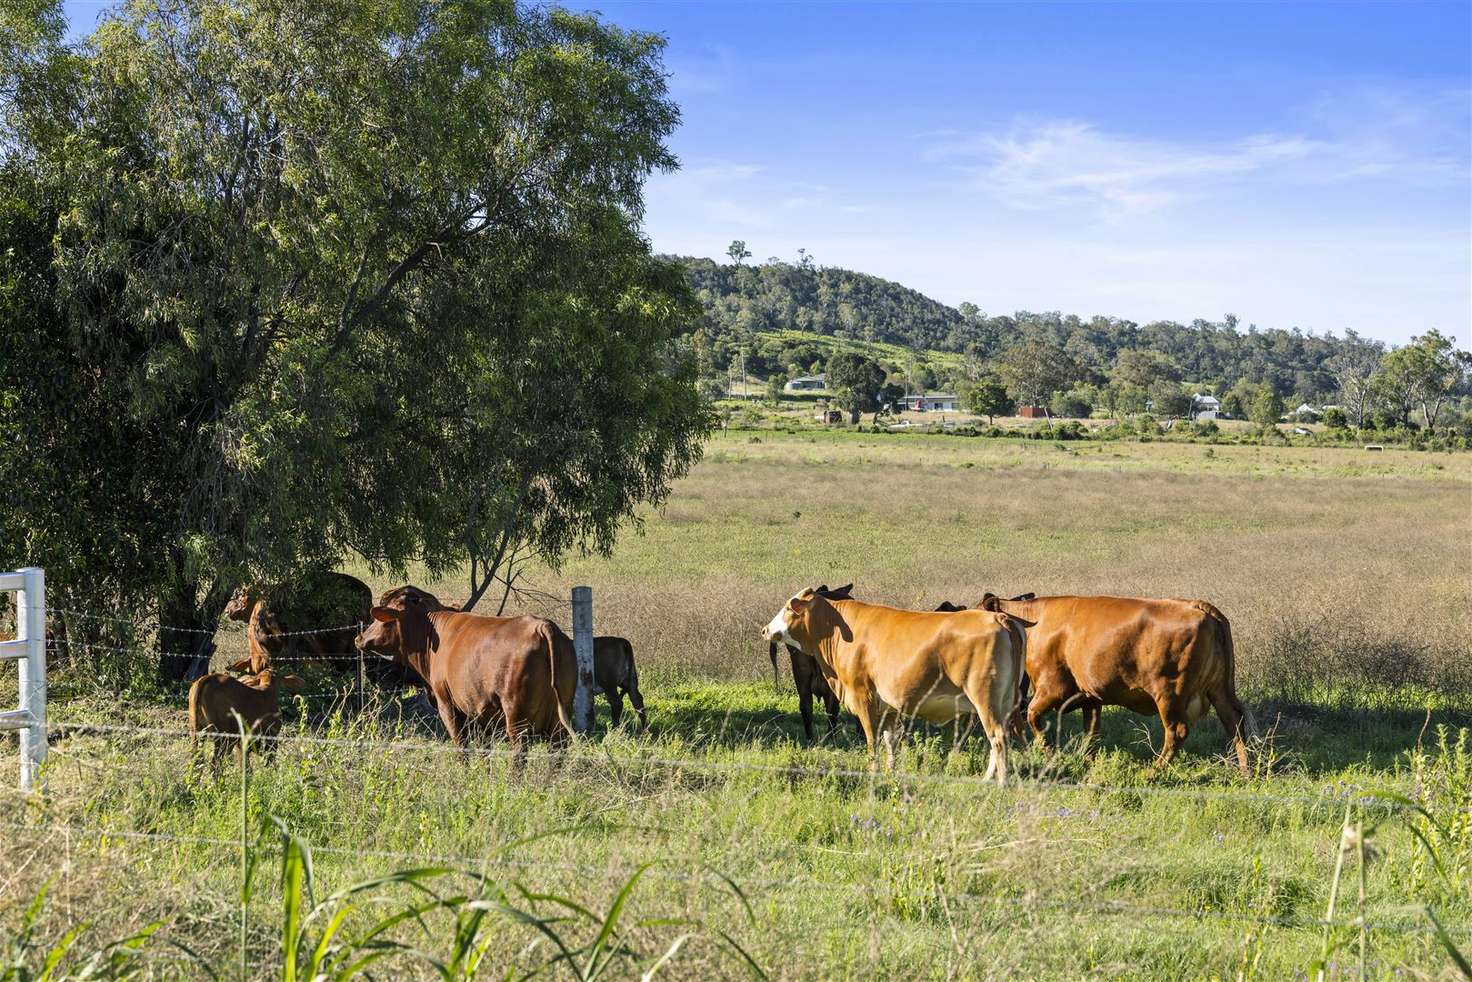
1017, 633
196, 714
1223, 628
564, 687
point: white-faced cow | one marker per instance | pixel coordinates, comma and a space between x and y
886, 663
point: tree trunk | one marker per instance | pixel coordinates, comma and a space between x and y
186, 636
853, 417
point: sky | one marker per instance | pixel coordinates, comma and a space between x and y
1299, 165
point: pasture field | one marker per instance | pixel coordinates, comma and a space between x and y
1347, 578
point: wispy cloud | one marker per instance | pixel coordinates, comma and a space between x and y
1069, 163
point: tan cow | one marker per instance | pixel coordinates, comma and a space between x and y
218, 703
1171, 658
885, 663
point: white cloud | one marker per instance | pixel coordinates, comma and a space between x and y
1072, 164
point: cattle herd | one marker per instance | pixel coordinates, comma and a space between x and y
517, 675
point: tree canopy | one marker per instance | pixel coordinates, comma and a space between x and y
282, 283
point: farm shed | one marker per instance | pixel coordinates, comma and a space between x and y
1032, 412
807, 383
934, 402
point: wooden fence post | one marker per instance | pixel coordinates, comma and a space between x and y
582, 642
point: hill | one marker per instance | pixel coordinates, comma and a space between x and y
748, 308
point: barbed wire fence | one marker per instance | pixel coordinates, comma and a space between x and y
1389, 920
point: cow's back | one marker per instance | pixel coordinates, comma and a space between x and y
1114, 647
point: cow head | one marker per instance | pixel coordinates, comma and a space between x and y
804, 620
240, 605
400, 629
270, 679
946, 607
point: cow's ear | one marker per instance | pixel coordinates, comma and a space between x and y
989, 602
294, 682
384, 614
799, 602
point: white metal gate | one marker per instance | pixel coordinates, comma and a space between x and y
28, 650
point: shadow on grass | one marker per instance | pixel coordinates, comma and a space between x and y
1309, 738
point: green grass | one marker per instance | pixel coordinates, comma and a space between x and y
1345, 577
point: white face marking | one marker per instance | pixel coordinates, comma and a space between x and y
778, 629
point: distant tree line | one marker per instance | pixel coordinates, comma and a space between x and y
1061, 363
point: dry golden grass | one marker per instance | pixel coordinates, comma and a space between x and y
1329, 562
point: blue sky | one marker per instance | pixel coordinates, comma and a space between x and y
1302, 165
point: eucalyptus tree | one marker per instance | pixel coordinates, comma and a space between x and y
352, 276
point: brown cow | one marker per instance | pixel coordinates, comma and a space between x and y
1170, 658
482, 673
217, 699
808, 678
885, 663
615, 675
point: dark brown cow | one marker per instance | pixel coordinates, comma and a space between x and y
291, 621
615, 675
1171, 658
483, 673
808, 678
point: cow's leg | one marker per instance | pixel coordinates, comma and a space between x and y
1093, 710
636, 698
993, 697
868, 722
1233, 720
1173, 718
833, 709
615, 707
805, 705
454, 725
1048, 694
516, 733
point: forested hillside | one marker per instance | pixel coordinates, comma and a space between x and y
743, 303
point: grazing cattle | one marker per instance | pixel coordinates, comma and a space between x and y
615, 676
1171, 658
886, 663
808, 678
483, 673
217, 699
296, 621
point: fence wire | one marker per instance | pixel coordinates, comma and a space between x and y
603, 756
1380, 921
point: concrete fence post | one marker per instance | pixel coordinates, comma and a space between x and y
582, 642
30, 623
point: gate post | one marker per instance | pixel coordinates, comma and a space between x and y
30, 624
582, 642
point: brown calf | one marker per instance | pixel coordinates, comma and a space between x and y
615, 675
220, 703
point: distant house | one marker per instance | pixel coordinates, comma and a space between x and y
1205, 406
941, 402
1306, 413
806, 383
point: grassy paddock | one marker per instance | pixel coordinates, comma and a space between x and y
1344, 574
